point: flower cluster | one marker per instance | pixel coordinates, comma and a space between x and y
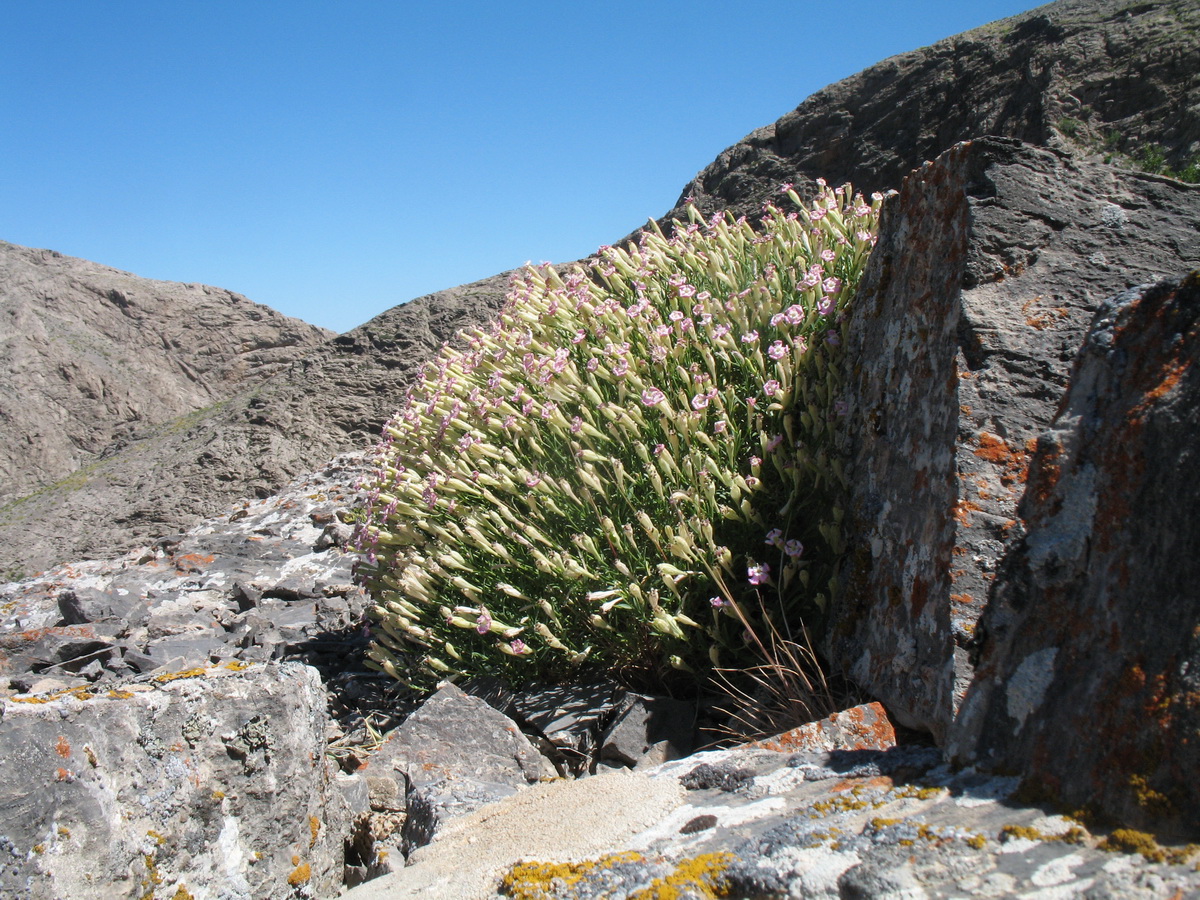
608, 474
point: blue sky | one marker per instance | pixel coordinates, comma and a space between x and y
334, 159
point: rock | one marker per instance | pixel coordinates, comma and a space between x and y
764, 823
570, 717
975, 301
456, 753
212, 781
1090, 667
864, 727
644, 724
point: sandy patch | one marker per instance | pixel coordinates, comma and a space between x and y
558, 820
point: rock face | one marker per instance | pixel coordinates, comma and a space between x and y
92, 357
331, 399
991, 264
1087, 74
212, 782
1092, 629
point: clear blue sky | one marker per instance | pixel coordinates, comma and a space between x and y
334, 159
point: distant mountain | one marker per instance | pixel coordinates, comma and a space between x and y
92, 357
327, 396
1104, 79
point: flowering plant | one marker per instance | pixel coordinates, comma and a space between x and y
609, 476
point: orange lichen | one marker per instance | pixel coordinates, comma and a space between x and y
314, 828
300, 875
62, 747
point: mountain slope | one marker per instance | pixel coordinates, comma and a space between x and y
91, 356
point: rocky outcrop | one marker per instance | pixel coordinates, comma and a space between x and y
331, 399
1093, 627
207, 782
990, 265
92, 358
1092, 76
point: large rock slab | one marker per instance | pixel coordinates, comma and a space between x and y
1089, 680
204, 783
990, 265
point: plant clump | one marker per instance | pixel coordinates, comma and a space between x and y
632, 470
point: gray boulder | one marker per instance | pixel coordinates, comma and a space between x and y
208, 782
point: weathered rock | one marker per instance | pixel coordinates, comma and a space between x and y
1089, 680
455, 753
991, 263
92, 357
210, 781
864, 727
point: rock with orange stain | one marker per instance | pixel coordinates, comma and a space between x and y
863, 727
1088, 674
948, 386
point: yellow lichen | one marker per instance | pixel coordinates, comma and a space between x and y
158, 838
976, 841
1154, 802
314, 828
115, 694
182, 893
64, 831
39, 849
1126, 840
237, 665
700, 876
532, 880
301, 874
175, 676
218, 795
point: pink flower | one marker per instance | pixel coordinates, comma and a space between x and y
719, 426
593, 364
518, 647
675, 315
576, 425
777, 351
621, 369
721, 330
774, 442
484, 622
793, 548
832, 285
825, 305
652, 396
718, 602
700, 401
771, 387
774, 536
749, 337
686, 290
828, 255
533, 480
758, 574
755, 462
